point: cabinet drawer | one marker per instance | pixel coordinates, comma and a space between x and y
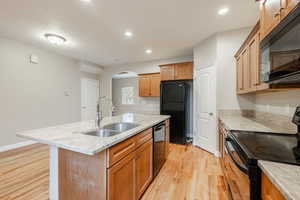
120, 150
143, 137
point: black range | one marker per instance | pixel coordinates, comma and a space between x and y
245, 148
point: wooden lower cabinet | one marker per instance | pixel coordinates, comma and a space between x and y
121, 179
269, 190
129, 178
143, 168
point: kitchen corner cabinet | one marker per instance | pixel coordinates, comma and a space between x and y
149, 85
177, 71
272, 12
269, 190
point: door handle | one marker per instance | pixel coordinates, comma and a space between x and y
211, 114
83, 107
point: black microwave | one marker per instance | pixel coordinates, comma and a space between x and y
280, 52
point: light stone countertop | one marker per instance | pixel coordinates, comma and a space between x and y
260, 122
70, 137
285, 177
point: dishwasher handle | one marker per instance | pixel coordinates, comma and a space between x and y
159, 127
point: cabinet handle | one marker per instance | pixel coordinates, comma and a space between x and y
276, 14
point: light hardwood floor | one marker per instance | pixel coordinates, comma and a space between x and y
189, 174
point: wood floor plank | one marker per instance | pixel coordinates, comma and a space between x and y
189, 174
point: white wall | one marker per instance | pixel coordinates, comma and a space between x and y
282, 103
205, 53
228, 44
33, 95
142, 105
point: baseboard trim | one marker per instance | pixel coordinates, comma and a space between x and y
17, 145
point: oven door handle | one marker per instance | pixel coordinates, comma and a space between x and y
243, 168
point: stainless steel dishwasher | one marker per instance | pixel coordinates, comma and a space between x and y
159, 145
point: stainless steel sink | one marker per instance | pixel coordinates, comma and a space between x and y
102, 133
112, 129
121, 127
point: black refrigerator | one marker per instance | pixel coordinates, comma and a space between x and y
173, 102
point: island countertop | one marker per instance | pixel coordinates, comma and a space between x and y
70, 137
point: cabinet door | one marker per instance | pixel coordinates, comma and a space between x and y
167, 72
239, 62
269, 15
254, 62
184, 71
144, 86
121, 179
246, 71
155, 86
287, 7
143, 167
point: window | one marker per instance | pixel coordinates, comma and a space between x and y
127, 95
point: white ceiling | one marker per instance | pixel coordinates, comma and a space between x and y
95, 30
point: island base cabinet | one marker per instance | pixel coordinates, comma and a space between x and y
121, 179
129, 178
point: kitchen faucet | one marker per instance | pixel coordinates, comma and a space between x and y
99, 115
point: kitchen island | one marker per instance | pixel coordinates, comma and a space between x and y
91, 167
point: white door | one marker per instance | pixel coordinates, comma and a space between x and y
205, 135
89, 98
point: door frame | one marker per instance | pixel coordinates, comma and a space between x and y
213, 147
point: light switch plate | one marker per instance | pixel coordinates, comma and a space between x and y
34, 59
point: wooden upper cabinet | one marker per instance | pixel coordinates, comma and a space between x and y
167, 72
144, 86
155, 86
144, 167
254, 62
246, 70
149, 85
269, 16
239, 75
178, 71
184, 71
288, 6
272, 12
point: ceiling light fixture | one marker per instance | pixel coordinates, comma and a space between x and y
128, 34
148, 51
55, 39
223, 11
87, 1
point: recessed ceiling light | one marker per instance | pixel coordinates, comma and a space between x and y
87, 1
55, 39
223, 11
128, 34
148, 51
